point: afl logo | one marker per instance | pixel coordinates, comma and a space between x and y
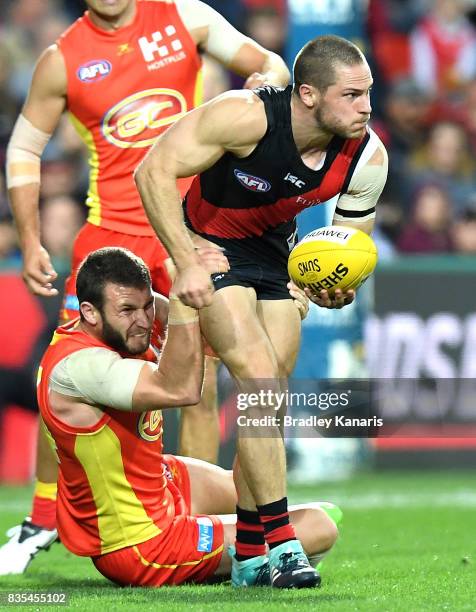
253, 183
95, 70
149, 425
138, 120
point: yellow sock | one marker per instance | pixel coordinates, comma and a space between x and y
46, 490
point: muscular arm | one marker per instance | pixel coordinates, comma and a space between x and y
92, 379
221, 40
190, 146
41, 114
178, 380
356, 208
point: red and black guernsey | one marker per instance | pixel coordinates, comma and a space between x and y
249, 205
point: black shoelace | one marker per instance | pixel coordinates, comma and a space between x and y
289, 562
262, 574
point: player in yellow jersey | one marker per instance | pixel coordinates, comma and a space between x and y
145, 519
124, 72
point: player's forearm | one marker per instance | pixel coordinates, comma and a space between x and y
252, 60
181, 363
24, 205
364, 226
161, 309
23, 160
161, 200
275, 71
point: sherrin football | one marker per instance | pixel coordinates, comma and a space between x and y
333, 257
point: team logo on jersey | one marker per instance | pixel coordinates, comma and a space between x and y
138, 120
294, 180
94, 70
124, 48
149, 425
253, 183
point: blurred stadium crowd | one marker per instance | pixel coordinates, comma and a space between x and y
423, 55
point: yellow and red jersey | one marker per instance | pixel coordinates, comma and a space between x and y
125, 87
112, 485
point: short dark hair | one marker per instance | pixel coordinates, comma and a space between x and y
316, 63
109, 265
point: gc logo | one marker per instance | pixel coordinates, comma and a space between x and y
138, 120
149, 425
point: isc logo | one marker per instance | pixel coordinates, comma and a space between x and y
138, 120
253, 183
294, 180
95, 70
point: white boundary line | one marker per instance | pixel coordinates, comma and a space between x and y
462, 498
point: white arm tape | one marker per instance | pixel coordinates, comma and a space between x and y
179, 313
24, 151
365, 187
100, 376
224, 41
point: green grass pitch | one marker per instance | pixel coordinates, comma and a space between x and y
407, 543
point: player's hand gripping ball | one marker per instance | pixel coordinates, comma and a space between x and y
333, 257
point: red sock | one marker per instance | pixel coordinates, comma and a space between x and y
275, 520
43, 512
249, 535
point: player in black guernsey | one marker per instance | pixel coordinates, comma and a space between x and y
248, 206
261, 157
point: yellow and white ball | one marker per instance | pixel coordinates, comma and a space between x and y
333, 257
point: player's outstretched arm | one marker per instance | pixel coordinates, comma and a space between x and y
190, 146
238, 52
102, 379
178, 380
40, 115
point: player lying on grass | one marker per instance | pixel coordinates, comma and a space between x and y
143, 517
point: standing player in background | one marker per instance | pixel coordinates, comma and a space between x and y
124, 71
286, 150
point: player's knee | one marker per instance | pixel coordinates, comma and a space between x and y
252, 370
322, 530
255, 363
285, 368
330, 533
286, 361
